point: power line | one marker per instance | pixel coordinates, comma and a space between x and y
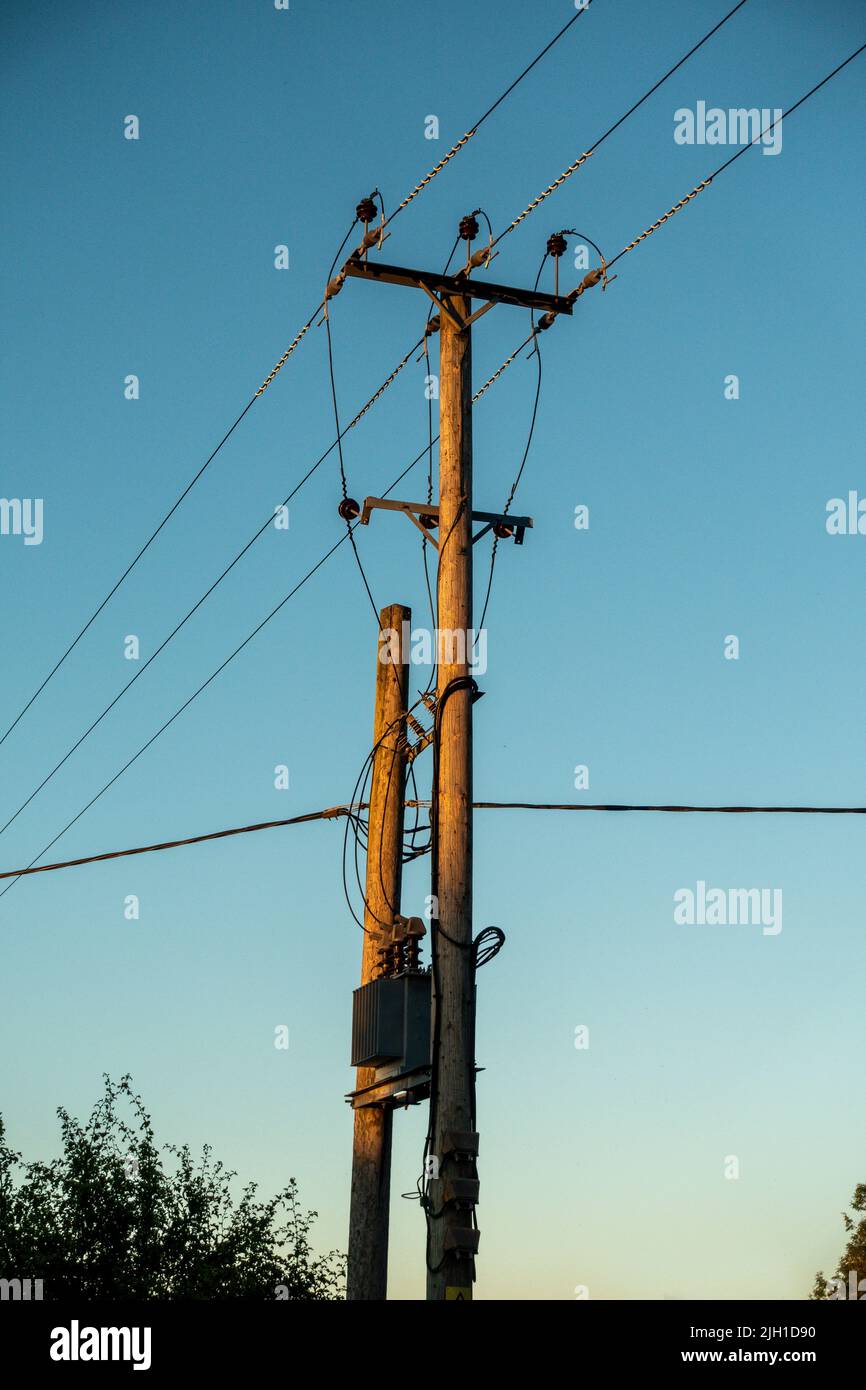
241, 646
516, 483
478, 394
728, 162
332, 813
691, 810
351, 810
581, 160
256, 630
215, 585
273, 373
153, 535
455, 149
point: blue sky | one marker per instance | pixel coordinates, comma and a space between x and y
707, 518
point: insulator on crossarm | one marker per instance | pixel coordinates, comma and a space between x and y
349, 509
556, 245
468, 229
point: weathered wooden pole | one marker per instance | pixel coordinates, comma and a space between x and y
367, 1270
451, 1271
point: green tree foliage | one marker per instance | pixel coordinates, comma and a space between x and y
108, 1219
853, 1258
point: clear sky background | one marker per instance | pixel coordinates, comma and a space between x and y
603, 1167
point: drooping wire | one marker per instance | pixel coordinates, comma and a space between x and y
350, 529
536, 352
354, 824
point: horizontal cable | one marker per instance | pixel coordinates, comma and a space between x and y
334, 812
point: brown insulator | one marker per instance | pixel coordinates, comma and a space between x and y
556, 245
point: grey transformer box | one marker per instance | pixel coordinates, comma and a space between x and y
391, 1024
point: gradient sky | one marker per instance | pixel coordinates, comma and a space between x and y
603, 1167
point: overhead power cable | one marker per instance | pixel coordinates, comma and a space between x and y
278, 366
153, 535
473, 130
212, 677
211, 589
536, 352
581, 160
705, 183
352, 809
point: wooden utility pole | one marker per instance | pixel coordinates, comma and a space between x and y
367, 1271
453, 1094
452, 1182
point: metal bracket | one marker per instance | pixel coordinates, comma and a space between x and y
408, 1089
461, 285
415, 510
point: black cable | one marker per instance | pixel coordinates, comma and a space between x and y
256, 630
487, 944
353, 823
152, 537
791, 109
498, 102
668, 74
349, 527
204, 597
356, 813
468, 684
412, 464
654, 88
528, 69
130, 567
516, 483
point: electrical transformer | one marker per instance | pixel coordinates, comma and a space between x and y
391, 1024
